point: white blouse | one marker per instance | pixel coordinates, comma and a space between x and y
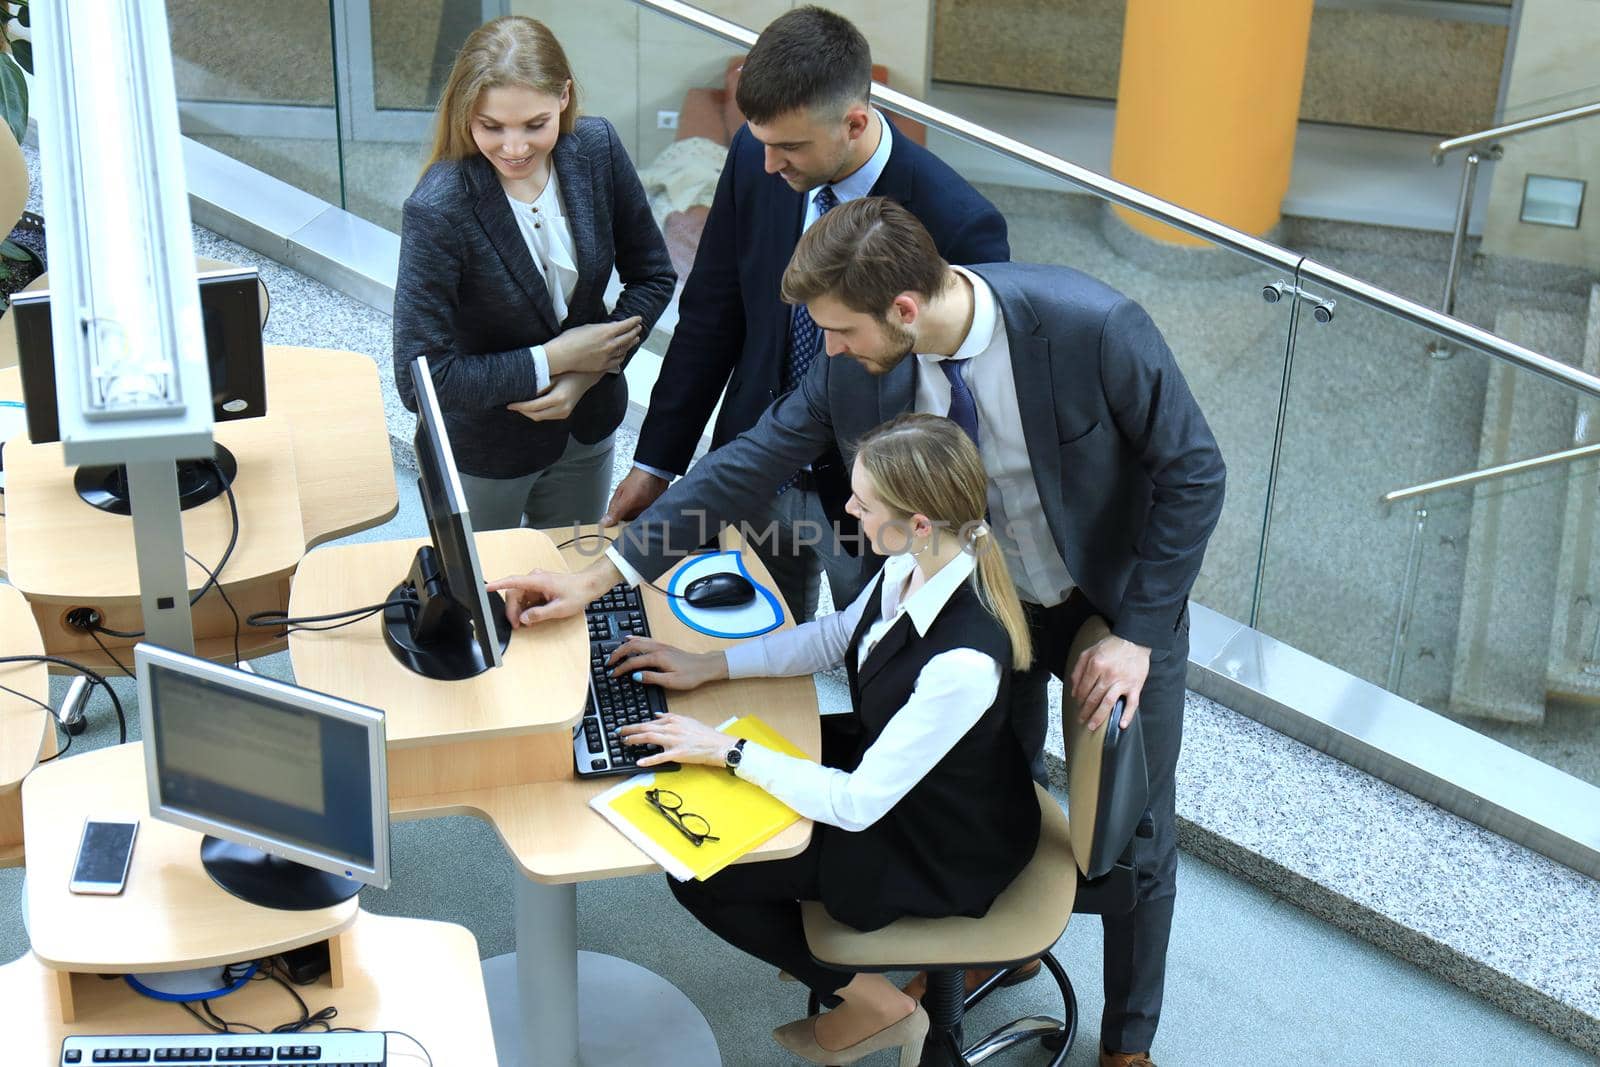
952, 692
544, 228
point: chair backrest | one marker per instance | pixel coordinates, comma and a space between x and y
13, 181
1108, 785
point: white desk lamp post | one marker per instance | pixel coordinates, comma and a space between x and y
133, 384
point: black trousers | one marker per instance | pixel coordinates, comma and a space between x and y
755, 907
1136, 943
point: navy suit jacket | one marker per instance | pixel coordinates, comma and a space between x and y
733, 327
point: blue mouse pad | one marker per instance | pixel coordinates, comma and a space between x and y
762, 614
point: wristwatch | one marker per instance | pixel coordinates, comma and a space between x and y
731, 758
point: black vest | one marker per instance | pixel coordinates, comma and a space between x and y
968, 828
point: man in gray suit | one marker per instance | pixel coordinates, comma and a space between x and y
1104, 486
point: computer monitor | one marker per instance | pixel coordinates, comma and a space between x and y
230, 309
446, 625
289, 785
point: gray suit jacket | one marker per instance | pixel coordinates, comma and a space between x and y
1128, 472
470, 298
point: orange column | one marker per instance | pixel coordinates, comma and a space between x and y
1207, 107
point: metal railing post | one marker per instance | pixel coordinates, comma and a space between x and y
1408, 602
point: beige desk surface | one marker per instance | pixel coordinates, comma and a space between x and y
552, 834
25, 731
333, 405
402, 974
541, 686
171, 916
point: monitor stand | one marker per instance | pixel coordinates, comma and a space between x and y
430, 631
199, 481
271, 881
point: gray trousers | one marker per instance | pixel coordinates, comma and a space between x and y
571, 491
1135, 964
796, 542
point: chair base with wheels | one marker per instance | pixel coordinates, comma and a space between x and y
1023, 923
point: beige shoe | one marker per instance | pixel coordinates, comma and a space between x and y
799, 1037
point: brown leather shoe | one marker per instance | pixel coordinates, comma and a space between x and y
919, 983
1125, 1059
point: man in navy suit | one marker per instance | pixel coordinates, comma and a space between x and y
812, 141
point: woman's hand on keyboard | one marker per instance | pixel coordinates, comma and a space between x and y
653, 662
682, 739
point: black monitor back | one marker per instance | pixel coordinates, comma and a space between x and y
230, 310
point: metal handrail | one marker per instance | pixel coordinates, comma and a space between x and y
1420, 493
1511, 129
1569, 455
1469, 177
1265, 252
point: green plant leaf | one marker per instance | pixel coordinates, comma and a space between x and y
13, 97
22, 52
22, 11
11, 250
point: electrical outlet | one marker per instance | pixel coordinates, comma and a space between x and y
666, 120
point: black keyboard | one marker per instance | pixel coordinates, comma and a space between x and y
355, 1049
597, 750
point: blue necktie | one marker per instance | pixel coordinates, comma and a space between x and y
963, 409
805, 340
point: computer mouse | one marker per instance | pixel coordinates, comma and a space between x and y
720, 591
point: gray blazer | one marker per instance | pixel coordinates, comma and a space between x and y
1129, 475
470, 298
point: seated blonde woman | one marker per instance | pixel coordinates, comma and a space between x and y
933, 814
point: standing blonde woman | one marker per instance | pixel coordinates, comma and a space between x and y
934, 813
507, 246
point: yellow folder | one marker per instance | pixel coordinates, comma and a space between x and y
742, 815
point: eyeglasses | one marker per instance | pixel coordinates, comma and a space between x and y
670, 805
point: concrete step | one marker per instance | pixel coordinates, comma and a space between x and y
1515, 533
1575, 624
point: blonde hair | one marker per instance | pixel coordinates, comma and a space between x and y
510, 51
927, 465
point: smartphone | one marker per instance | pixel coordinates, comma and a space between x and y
103, 857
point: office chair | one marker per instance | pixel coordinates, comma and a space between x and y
1082, 864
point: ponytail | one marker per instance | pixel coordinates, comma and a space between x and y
992, 578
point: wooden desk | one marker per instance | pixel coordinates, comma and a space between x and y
26, 735
537, 807
404, 974
330, 454
171, 916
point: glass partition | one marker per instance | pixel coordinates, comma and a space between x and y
1451, 598
255, 81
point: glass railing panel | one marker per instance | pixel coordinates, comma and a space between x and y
1207, 301
395, 58
1450, 599
255, 81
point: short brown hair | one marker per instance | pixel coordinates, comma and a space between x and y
512, 50
864, 253
808, 59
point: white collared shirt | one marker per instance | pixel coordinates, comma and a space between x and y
1015, 511
549, 239
860, 182
953, 691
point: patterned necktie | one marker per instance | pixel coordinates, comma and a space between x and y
805, 340
963, 409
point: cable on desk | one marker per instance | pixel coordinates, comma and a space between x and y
95, 633
48, 710
223, 593
275, 617
609, 540
96, 678
213, 577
